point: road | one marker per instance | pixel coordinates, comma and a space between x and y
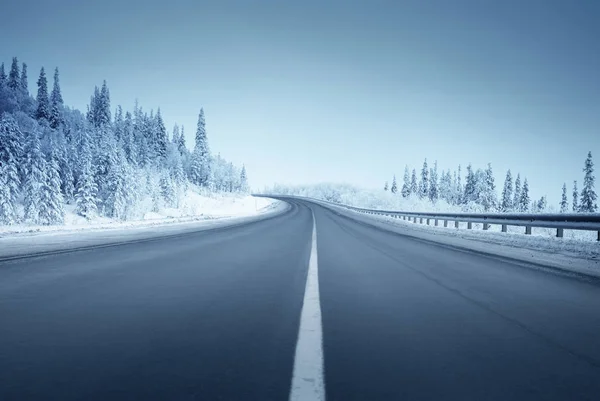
216, 315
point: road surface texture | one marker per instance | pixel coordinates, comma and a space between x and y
216, 315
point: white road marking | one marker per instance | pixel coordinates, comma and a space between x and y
307, 379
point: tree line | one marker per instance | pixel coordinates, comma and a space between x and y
479, 190
117, 164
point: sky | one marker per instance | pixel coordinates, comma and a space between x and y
339, 91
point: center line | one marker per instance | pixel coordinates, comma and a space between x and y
307, 379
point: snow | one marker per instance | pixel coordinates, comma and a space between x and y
199, 212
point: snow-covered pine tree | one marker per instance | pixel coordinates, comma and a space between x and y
386, 186
406, 183
588, 193
167, 190
424, 183
200, 167
433, 184
517, 194
181, 143
524, 199
56, 103
244, 188
488, 197
542, 204
14, 78
118, 190
128, 139
507, 194
11, 152
51, 204
564, 203
575, 197
43, 107
87, 190
161, 138
175, 137
35, 177
103, 104
459, 188
470, 186
394, 188
24, 84
414, 187
3, 77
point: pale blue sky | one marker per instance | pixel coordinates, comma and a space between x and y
348, 91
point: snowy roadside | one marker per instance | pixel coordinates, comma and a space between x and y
28, 240
577, 254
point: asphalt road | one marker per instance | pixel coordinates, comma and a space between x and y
215, 315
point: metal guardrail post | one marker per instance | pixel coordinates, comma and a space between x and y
504, 228
469, 225
486, 226
420, 220
428, 221
528, 230
560, 232
456, 224
436, 222
445, 223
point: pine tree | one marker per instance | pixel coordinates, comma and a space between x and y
406, 183
87, 190
588, 193
175, 137
3, 77
488, 198
200, 168
507, 194
386, 186
564, 203
414, 187
575, 197
243, 180
459, 187
51, 205
394, 188
161, 137
128, 139
524, 200
103, 104
424, 183
24, 85
181, 143
542, 204
433, 184
56, 103
166, 189
470, 186
11, 152
517, 195
35, 178
43, 108
14, 78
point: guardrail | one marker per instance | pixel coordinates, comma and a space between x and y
559, 222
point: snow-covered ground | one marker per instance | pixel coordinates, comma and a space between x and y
199, 212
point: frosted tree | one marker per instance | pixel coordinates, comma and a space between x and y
167, 190
87, 190
424, 183
181, 143
24, 84
43, 108
128, 139
176, 134
244, 188
51, 204
3, 77
564, 203
458, 199
406, 183
161, 137
394, 188
103, 106
575, 197
524, 200
386, 186
542, 204
507, 194
200, 166
433, 184
11, 152
14, 78
588, 193
56, 103
414, 187
117, 187
487, 197
35, 178
517, 194
470, 186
